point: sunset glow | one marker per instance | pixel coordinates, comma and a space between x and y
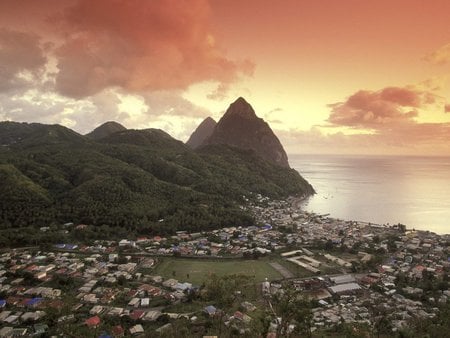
329, 76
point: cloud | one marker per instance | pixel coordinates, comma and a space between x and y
377, 122
220, 93
413, 139
140, 45
136, 45
21, 59
376, 109
171, 103
440, 56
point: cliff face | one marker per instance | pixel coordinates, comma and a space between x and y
203, 131
241, 128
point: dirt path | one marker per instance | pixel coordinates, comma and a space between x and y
282, 270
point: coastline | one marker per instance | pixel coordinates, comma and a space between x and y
297, 203
381, 189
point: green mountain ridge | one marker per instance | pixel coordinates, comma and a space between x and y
105, 130
130, 178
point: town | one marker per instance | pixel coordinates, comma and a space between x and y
353, 274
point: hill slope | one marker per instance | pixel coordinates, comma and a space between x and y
131, 178
105, 130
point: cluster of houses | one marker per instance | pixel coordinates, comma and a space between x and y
96, 294
113, 279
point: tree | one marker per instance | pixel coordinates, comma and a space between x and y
292, 308
383, 326
329, 245
222, 290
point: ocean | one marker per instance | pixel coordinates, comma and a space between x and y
414, 191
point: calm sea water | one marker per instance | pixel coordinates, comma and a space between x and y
414, 191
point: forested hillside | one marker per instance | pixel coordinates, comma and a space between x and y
130, 178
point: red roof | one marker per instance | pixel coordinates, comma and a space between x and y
93, 321
420, 268
238, 315
24, 302
118, 330
32, 267
137, 314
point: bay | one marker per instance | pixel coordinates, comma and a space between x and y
414, 191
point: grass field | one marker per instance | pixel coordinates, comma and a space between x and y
200, 269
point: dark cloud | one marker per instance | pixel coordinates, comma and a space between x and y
377, 109
136, 45
140, 45
21, 59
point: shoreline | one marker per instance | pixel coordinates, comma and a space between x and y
297, 203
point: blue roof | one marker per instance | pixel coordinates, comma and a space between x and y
34, 301
104, 335
71, 246
210, 309
2, 302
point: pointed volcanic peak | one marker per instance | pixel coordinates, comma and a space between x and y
241, 128
201, 133
106, 129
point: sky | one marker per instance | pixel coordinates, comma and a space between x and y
341, 77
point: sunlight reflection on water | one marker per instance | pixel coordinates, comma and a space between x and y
411, 190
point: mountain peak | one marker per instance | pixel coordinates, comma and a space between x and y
242, 108
105, 130
241, 128
201, 133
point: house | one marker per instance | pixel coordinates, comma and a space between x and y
134, 302
6, 331
145, 301
137, 329
266, 287
39, 329
97, 309
115, 311
210, 310
170, 283
183, 286
344, 288
93, 321
342, 279
34, 302
118, 331
32, 316
152, 315
137, 314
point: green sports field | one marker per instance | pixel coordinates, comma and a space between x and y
200, 269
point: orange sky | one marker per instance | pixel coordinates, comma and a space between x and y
350, 76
